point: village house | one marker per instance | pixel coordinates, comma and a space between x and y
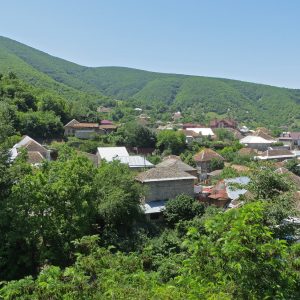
162, 184
263, 133
224, 123
196, 134
88, 130
36, 153
292, 139
202, 131
203, 161
256, 142
226, 193
274, 154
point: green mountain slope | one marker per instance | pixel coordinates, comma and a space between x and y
246, 102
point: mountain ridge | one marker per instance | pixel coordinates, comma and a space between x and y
251, 102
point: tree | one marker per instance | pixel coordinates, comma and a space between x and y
170, 140
136, 135
239, 256
216, 164
182, 208
293, 166
40, 124
57, 105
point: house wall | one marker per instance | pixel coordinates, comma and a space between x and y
162, 190
260, 147
203, 167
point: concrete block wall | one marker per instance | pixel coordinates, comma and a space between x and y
163, 190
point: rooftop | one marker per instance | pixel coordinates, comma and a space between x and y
164, 174
207, 155
110, 153
176, 163
154, 206
202, 131
253, 139
85, 125
134, 161
34, 157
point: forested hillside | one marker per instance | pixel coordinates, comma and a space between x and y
247, 102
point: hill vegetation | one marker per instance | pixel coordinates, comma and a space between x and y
250, 103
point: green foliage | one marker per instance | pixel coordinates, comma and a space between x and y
239, 256
195, 96
216, 164
224, 134
292, 165
171, 141
135, 135
40, 124
43, 210
182, 208
236, 257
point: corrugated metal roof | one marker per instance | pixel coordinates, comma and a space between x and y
134, 161
109, 153
154, 206
164, 174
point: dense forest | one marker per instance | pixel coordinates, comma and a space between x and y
253, 104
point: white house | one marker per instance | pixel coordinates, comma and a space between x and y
257, 142
202, 131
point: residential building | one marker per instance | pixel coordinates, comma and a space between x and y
226, 192
290, 138
274, 154
202, 131
203, 161
36, 153
224, 123
88, 130
257, 142
162, 184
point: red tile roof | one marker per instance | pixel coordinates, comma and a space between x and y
106, 122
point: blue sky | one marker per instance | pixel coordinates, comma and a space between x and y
250, 40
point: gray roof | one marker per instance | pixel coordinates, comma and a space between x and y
134, 161
235, 192
109, 153
176, 163
164, 174
154, 206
